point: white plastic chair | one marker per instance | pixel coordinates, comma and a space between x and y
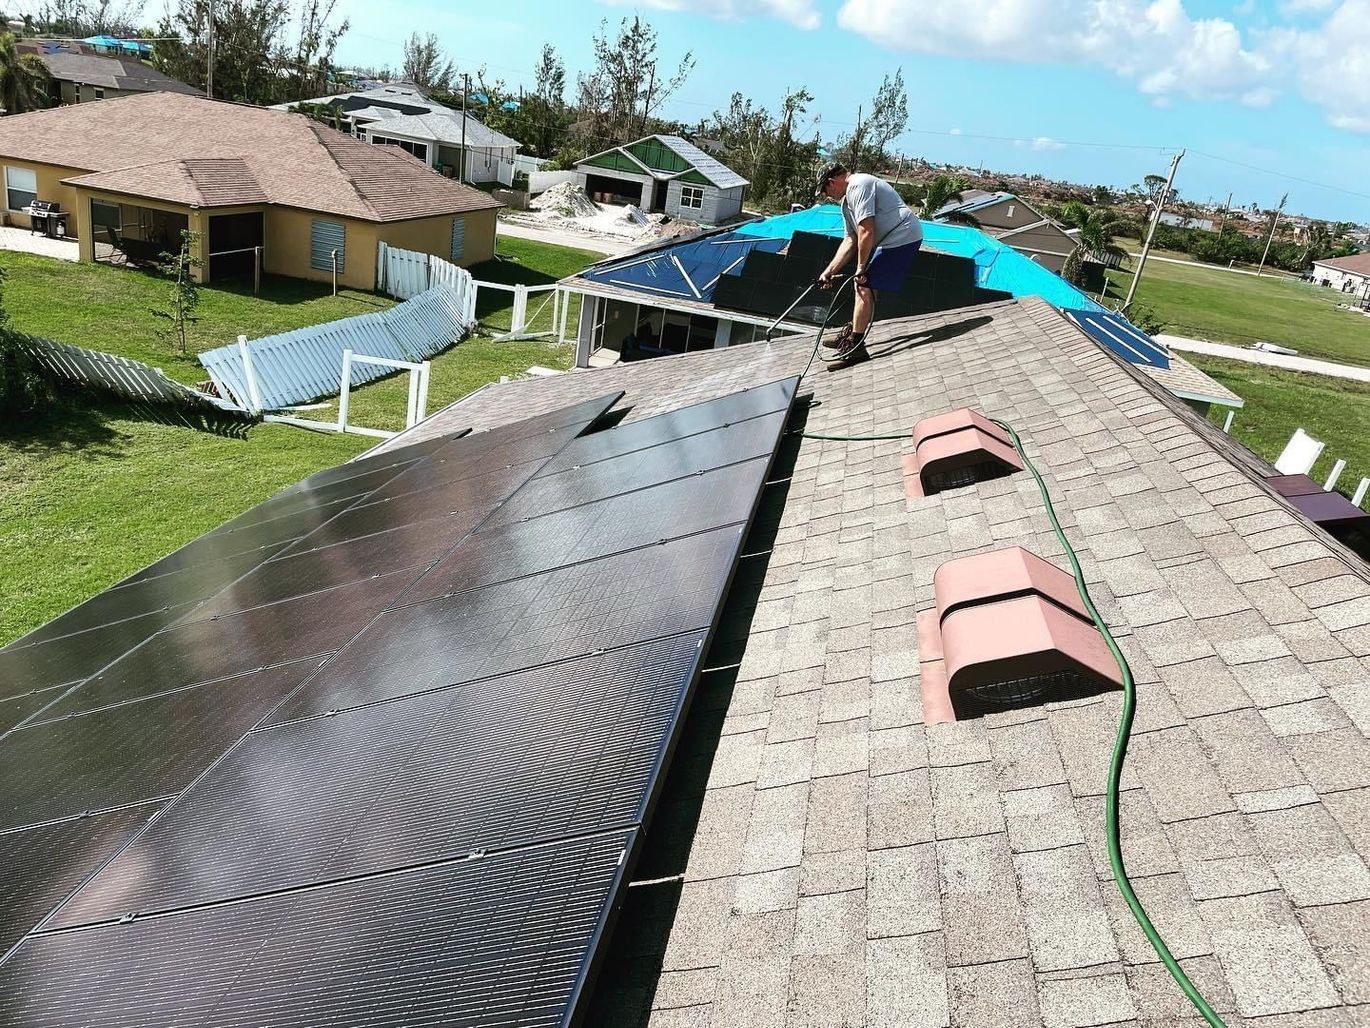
1300, 454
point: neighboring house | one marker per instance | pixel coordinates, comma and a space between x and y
1016, 222
399, 114
82, 77
139, 169
1181, 221
1349, 274
664, 173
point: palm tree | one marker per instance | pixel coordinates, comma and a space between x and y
25, 83
942, 190
1095, 228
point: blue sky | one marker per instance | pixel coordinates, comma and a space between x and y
1277, 85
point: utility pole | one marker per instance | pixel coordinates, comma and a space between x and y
209, 56
1151, 230
856, 140
1226, 207
1271, 238
465, 88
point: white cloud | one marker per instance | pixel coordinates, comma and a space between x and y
1046, 143
1332, 63
800, 13
1303, 6
1154, 43
955, 132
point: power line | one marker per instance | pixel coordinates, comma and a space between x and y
1280, 174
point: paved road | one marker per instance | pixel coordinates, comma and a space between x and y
1273, 360
599, 244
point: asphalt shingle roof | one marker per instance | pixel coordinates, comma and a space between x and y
163, 145
113, 73
822, 857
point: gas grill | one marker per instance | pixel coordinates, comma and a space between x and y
47, 216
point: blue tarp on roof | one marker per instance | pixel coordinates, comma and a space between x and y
997, 265
687, 271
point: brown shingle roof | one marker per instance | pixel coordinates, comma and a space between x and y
821, 856
1357, 263
113, 73
171, 146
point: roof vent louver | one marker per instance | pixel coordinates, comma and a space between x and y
1013, 632
958, 449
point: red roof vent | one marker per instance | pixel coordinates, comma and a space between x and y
958, 449
1013, 632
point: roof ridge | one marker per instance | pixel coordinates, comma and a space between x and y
365, 200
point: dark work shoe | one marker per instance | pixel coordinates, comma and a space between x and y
854, 352
839, 340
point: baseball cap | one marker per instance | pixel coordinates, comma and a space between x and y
830, 171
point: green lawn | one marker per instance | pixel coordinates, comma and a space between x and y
96, 492
107, 308
1277, 402
1208, 303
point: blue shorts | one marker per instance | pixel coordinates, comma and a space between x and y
889, 267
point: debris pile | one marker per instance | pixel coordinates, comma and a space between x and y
565, 206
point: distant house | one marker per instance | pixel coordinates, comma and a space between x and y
1181, 221
400, 114
133, 172
1014, 221
664, 173
79, 77
1348, 274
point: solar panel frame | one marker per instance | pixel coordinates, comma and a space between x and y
1121, 337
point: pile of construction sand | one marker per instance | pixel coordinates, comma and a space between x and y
567, 207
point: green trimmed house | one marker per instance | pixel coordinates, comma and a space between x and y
664, 173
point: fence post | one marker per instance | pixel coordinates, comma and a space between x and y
380, 266
516, 323
254, 398
335, 272
346, 387
256, 270
412, 406
424, 379
1227, 422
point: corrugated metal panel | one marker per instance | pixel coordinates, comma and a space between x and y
458, 238
305, 365
324, 238
130, 379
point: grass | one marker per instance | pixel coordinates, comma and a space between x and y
107, 308
93, 493
1208, 303
1277, 402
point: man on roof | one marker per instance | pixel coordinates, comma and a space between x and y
882, 234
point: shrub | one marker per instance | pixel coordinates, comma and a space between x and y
26, 386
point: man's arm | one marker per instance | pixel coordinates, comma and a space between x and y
865, 244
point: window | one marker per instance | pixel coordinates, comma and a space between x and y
324, 238
99, 92
105, 215
691, 198
21, 187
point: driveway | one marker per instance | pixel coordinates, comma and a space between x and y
1272, 360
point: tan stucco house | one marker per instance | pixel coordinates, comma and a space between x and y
1020, 225
138, 169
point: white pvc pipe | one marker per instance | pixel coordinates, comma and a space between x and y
1337, 469
345, 390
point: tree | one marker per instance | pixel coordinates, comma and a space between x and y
426, 65
25, 83
940, 191
626, 88
549, 78
255, 60
184, 296
1095, 228
763, 149
889, 113
26, 386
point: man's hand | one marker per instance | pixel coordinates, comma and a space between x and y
860, 280
828, 279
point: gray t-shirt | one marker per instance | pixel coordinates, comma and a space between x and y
868, 196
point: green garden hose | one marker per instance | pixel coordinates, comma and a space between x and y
1115, 768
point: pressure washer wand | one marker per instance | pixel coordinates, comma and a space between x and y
770, 332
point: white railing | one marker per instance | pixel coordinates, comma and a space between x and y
415, 411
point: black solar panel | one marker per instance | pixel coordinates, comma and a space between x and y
257, 638
556, 752
310, 571
723, 496
678, 424
363, 465
642, 468
73, 657
501, 939
43, 865
445, 848
570, 612
134, 751
15, 709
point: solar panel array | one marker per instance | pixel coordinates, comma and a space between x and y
380, 750
1122, 337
